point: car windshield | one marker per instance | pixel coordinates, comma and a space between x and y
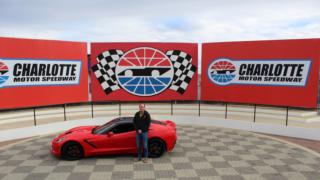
98, 129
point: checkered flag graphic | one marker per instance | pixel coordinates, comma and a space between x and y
104, 70
183, 70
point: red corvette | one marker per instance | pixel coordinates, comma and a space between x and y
117, 136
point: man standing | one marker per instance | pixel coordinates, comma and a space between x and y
141, 123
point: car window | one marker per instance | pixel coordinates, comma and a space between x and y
105, 127
104, 130
122, 128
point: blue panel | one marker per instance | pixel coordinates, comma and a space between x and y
149, 90
154, 81
123, 80
140, 90
165, 80
216, 77
147, 81
135, 81
230, 77
143, 81
130, 88
3, 79
224, 78
159, 88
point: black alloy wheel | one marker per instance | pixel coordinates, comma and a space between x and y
72, 151
156, 148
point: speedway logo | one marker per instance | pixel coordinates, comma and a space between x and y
28, 72
259, 72
3, 73
144, 71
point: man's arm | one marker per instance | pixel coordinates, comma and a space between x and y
148, 120
135, 122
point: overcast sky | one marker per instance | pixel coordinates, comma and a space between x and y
161, 20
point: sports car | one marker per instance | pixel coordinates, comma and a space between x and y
117, 136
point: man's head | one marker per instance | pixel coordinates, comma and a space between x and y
142, 107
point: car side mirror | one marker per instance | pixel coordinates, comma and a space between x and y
110, 133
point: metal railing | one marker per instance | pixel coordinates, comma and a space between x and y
197, 108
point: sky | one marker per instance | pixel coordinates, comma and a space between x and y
160, 21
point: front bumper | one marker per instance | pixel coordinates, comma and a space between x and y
55, 148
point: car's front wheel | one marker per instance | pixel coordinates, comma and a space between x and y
156, 148
72, 151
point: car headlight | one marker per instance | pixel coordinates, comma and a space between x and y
61, 139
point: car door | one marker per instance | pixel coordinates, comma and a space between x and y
123, 138
118, 139
100, 141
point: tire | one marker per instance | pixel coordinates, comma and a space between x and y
156, 148
72, 151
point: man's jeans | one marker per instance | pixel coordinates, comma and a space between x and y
142, 139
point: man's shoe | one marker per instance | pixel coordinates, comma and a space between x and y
137, 159
145, 160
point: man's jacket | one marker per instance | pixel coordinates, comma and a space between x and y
142, 122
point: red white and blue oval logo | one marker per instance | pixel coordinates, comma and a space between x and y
221, 71
3, 73
144, 71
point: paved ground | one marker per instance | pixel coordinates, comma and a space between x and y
6, 143
310, 144
200, 153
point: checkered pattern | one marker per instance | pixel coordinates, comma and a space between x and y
200, 153
183, 70
182, 83
104, 70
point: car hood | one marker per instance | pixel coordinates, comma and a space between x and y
82, 128
78, 130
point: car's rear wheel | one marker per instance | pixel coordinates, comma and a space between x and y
72, 151
156, 148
